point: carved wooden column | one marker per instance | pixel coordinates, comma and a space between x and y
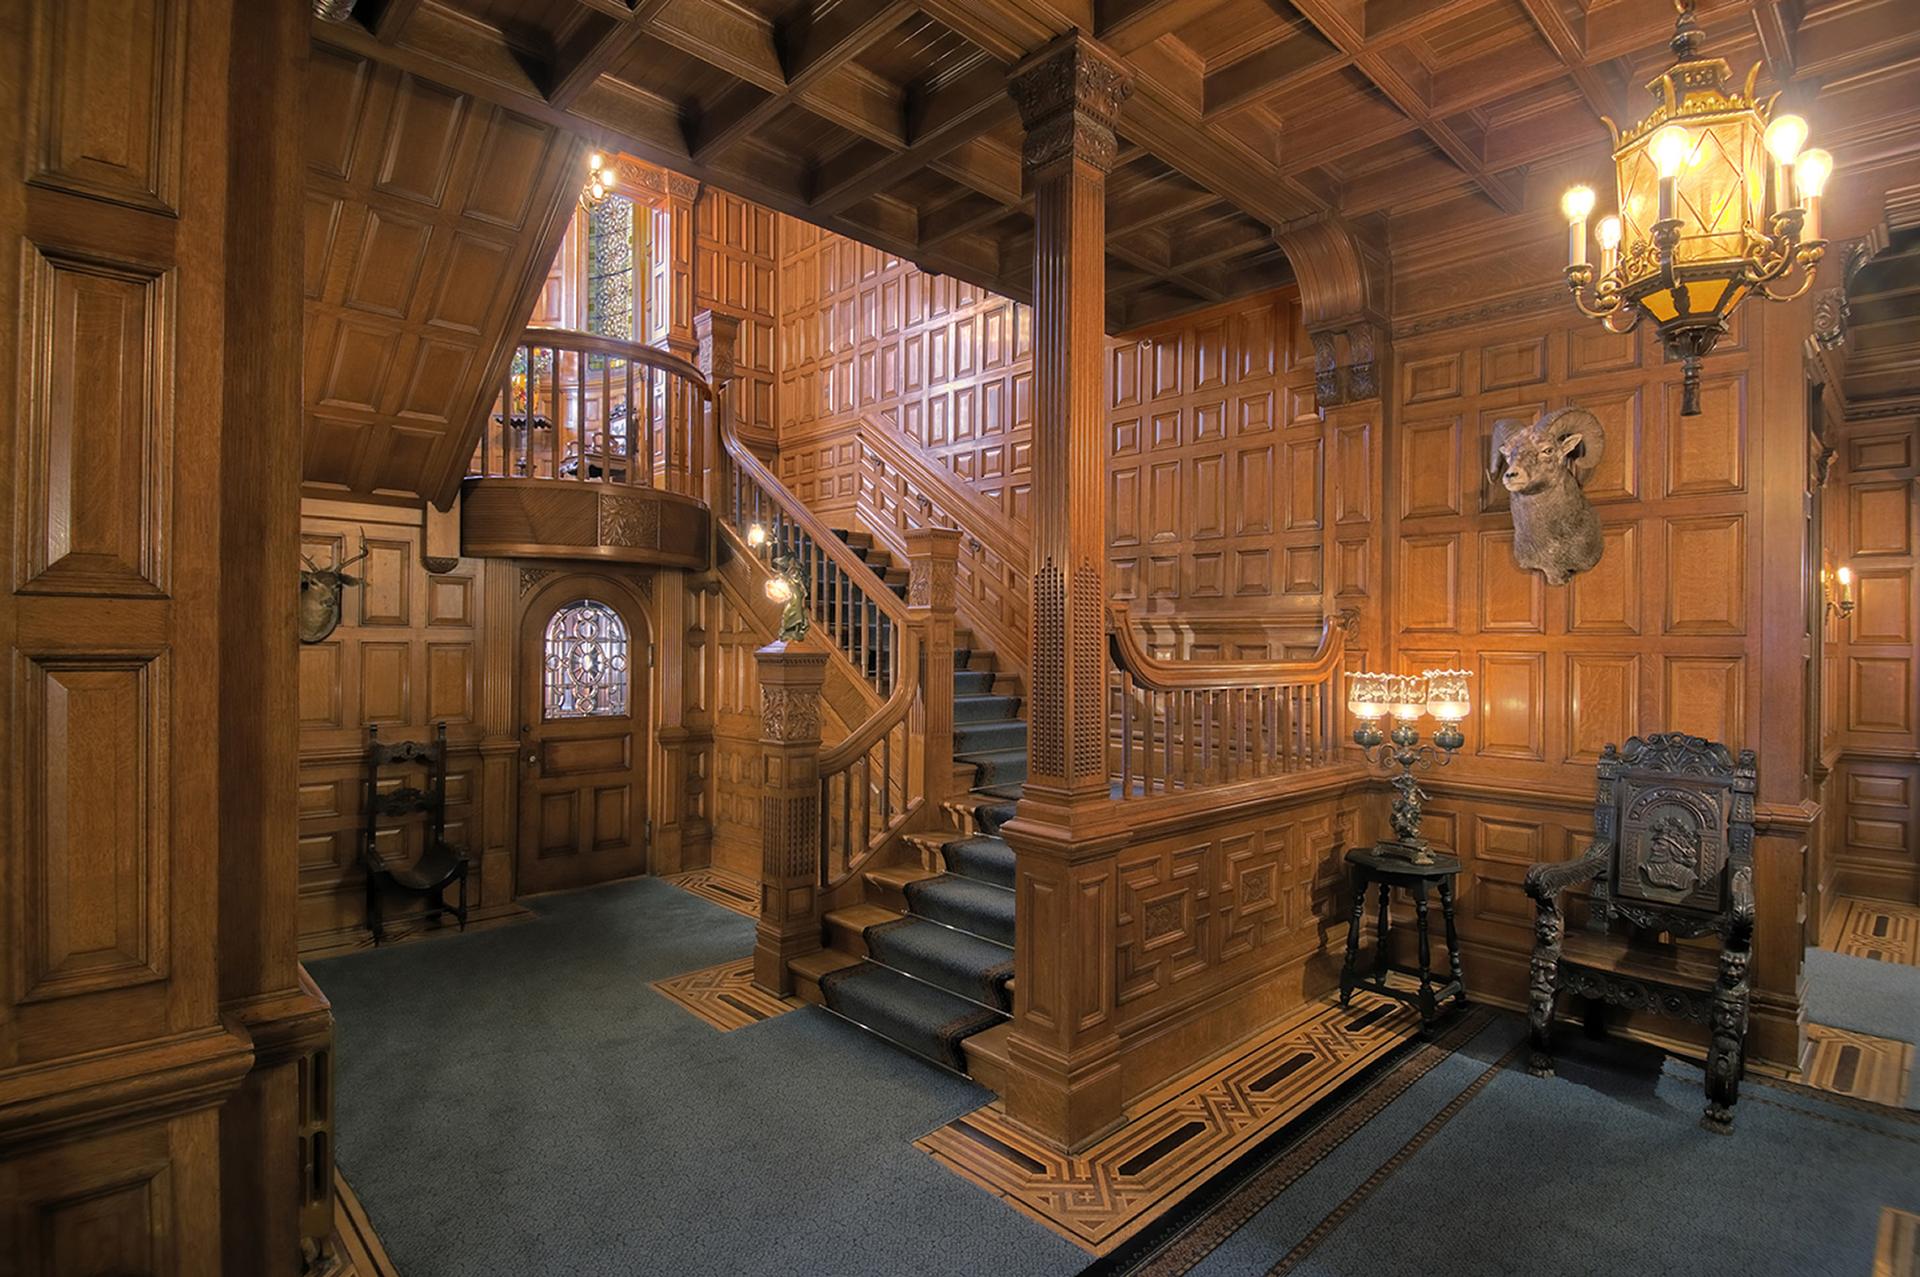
683, 198
1064, 1069
790, 678
933, 557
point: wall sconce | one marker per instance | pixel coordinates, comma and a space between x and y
1440, 693
1838, 601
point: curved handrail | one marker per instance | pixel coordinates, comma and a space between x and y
890, 714
594, 344
744, 462
1155, 674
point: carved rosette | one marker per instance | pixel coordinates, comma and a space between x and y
629, 521
789, 715
1830, 315
530, 577
1069, 97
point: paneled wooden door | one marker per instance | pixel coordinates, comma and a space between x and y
584, 711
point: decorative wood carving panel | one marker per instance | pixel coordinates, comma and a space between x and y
431, 220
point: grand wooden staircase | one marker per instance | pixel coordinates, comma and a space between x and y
925, 960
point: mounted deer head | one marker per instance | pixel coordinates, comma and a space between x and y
320, 593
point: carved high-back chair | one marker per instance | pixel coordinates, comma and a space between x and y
1672, 858
438, 865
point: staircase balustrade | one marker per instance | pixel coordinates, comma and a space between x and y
1177, 726
575, 407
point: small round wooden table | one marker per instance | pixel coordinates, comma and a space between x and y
1376, 864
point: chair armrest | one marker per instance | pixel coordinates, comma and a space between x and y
1545, 882
1740, 919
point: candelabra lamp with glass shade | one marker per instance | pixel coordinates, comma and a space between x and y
1704, 220
1405, 699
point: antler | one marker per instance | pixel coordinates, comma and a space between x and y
364, 551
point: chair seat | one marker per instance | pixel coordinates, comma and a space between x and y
1682, 966
437, 866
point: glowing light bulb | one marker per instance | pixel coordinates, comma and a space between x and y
1670, 147
1785, 136
779, 589
1812, 172
1846, 577
1608, 232
756, 536
593, 161
1577, 203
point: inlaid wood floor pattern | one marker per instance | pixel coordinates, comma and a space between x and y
739, 894
724, 996
1175, 1139
1858, 1065
1898, 1251
1876, 929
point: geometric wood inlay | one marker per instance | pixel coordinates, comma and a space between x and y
1897, 1251
1876, 929
742, 895
724, 996
1178, 1136
1858, 1065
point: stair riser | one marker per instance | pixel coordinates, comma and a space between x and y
988, 738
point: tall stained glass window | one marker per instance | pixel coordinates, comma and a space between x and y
586, 662
610, 278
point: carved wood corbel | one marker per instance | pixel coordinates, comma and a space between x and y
1343, 298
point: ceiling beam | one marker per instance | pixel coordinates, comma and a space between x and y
946, 118
1566, 45
597, 45
392, 19
1777, 23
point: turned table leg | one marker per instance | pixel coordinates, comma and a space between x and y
1348, 979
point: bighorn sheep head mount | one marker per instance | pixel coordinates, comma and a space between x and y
320, 593
1545, 466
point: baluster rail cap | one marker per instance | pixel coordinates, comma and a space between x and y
1157, 675
593, 344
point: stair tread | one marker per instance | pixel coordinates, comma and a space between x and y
967, 903
929, 1021
983, 857
854, 920
898, 876
957, 961
819, 962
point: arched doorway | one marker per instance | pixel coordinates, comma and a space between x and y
584, 701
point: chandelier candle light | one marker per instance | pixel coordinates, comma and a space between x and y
1704, 221
1441, 694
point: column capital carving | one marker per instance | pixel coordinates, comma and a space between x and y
1069, 95
716, 336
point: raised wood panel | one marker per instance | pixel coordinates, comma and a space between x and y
1430, 468
1705, 696
1883, 518
92, 477
1513, 693
1880, 694
1883, 607
107, 116
1706, 574
429, 214
1512, 599
1707, 453
1605, 599
1429, 583
1603, 703
736, 272
95, 873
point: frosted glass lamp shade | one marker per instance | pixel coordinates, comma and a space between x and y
1448, 699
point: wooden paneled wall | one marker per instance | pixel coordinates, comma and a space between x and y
413, 648
734, 273
1874, 503
1677, 628
1216, 497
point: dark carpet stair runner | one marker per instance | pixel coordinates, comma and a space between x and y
937, 972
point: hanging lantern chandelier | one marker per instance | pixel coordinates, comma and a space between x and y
599, 181
1704, 220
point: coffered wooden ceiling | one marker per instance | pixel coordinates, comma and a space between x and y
888, 120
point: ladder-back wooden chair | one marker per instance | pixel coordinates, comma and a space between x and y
1672, 859
438, 865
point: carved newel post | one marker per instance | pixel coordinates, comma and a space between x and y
790, 679
1063, 1055
933, 557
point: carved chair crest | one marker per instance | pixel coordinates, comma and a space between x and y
1677, 812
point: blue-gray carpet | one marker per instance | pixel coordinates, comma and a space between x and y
1478, 1168
519, 1101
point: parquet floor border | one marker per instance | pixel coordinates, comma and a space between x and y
742, 895
724, 995
1897, 1252
1877, 929
359, 1248
1858, 1065
1176, 1139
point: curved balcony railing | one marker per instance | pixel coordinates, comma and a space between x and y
576, 407
1184, 725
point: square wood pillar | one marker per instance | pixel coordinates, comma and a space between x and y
1063, 1057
